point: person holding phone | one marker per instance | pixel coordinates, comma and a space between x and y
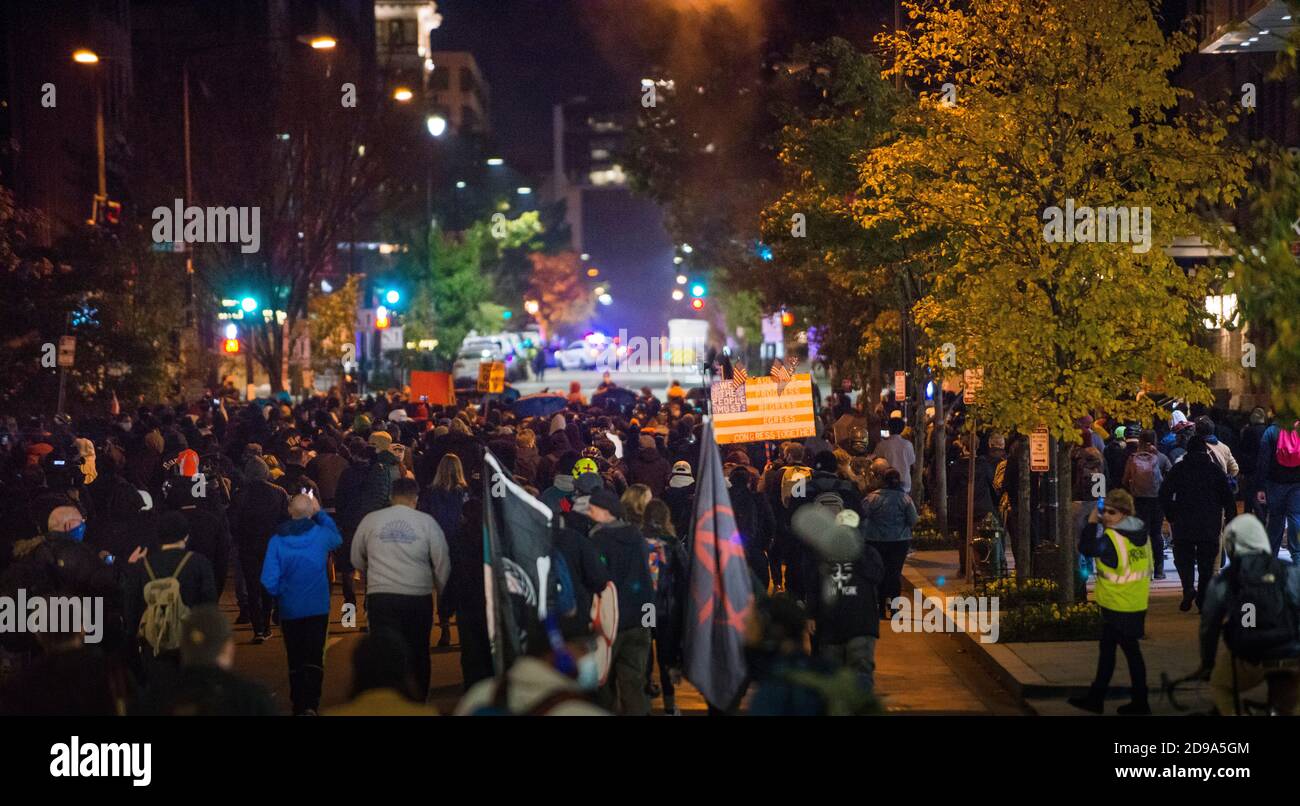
1122, 552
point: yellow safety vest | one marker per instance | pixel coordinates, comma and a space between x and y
1126, 587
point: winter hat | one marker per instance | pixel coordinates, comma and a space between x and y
681, 475
172, 528
557, 424
398, 416
587, 483
1119, 499
608, 501
381, 441
1197, 445
1244, 534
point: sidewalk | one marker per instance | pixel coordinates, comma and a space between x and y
1043, 674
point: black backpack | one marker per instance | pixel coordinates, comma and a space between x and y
1260, 617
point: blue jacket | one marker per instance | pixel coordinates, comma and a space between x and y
296, 569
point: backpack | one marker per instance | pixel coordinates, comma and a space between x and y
1144, 478
164, 610
1288, 447
790, 477
1259, 590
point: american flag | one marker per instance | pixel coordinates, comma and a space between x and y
738, 376
782, 373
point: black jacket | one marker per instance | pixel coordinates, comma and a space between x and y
197, 584
681, 503
648, 467
1196, 497
210, 536
623, 549
258, 508
846, 603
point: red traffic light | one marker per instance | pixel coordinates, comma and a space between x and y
787, 318
697, 304
230, 346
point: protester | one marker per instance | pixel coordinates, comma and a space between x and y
624, 552
1199, 500
295, 574
404, 555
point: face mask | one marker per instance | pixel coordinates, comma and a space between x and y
588, 672
77, 532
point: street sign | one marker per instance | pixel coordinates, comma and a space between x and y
67, 350
900, 385
761, 412
1039, 455
492, 377
972, 381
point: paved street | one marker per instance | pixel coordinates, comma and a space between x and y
916, 673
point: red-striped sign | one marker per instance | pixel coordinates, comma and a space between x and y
761, 412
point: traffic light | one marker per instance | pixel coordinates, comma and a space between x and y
249, 304
698, 290
787, 318
392, 296
697, 304
230, 346
381, 318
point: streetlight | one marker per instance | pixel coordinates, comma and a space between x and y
436, 124
532, 306
681, 279
320, 42
87, 56
495, 161
524, 191
678, 295
403, 94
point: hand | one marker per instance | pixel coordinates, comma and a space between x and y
1092, 515
137, 555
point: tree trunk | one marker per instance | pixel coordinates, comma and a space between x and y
1067, 539
1024, 517
940, 440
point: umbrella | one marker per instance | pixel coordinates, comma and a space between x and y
615, 399
541, 404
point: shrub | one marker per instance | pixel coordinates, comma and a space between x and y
1050, 622
1013, 593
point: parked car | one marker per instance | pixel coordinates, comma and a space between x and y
578, 355
474, 352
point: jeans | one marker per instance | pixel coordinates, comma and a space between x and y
894, 554
411, 619
1148, 510
343, 571
858, 654
624, 690
251, 559
1195, 563
1121, 630
304, 641
1284, 515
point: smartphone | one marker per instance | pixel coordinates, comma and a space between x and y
1101, 505
59, 463
108, 559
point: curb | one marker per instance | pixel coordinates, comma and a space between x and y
1004, 665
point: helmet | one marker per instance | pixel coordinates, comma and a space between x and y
858, 441
584, 465
591, 452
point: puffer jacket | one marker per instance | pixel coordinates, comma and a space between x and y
888, 516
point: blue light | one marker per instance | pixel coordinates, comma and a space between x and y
697, 290
507, 314
929, 391
392, 297
248, 304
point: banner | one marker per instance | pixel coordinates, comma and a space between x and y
436, 386
761, 410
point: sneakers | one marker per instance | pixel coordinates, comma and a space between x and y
1135, 708
258, 638
1088, 703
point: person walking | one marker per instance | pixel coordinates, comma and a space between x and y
1123, 554
258, 508
444, 500
626, 554
1144, 473
1278, 468
404, 555
1199, 500
296, 574
889, 516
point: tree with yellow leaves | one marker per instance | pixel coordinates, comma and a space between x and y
1048, 152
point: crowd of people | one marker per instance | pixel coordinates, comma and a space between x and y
161, 509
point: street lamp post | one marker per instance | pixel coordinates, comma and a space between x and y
86, 56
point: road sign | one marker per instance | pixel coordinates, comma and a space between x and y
1039, 455
900, 385
492, 377
67, 350
761, 412
972, 382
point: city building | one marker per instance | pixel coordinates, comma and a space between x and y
458, 90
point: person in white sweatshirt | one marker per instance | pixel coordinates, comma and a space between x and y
405, 558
